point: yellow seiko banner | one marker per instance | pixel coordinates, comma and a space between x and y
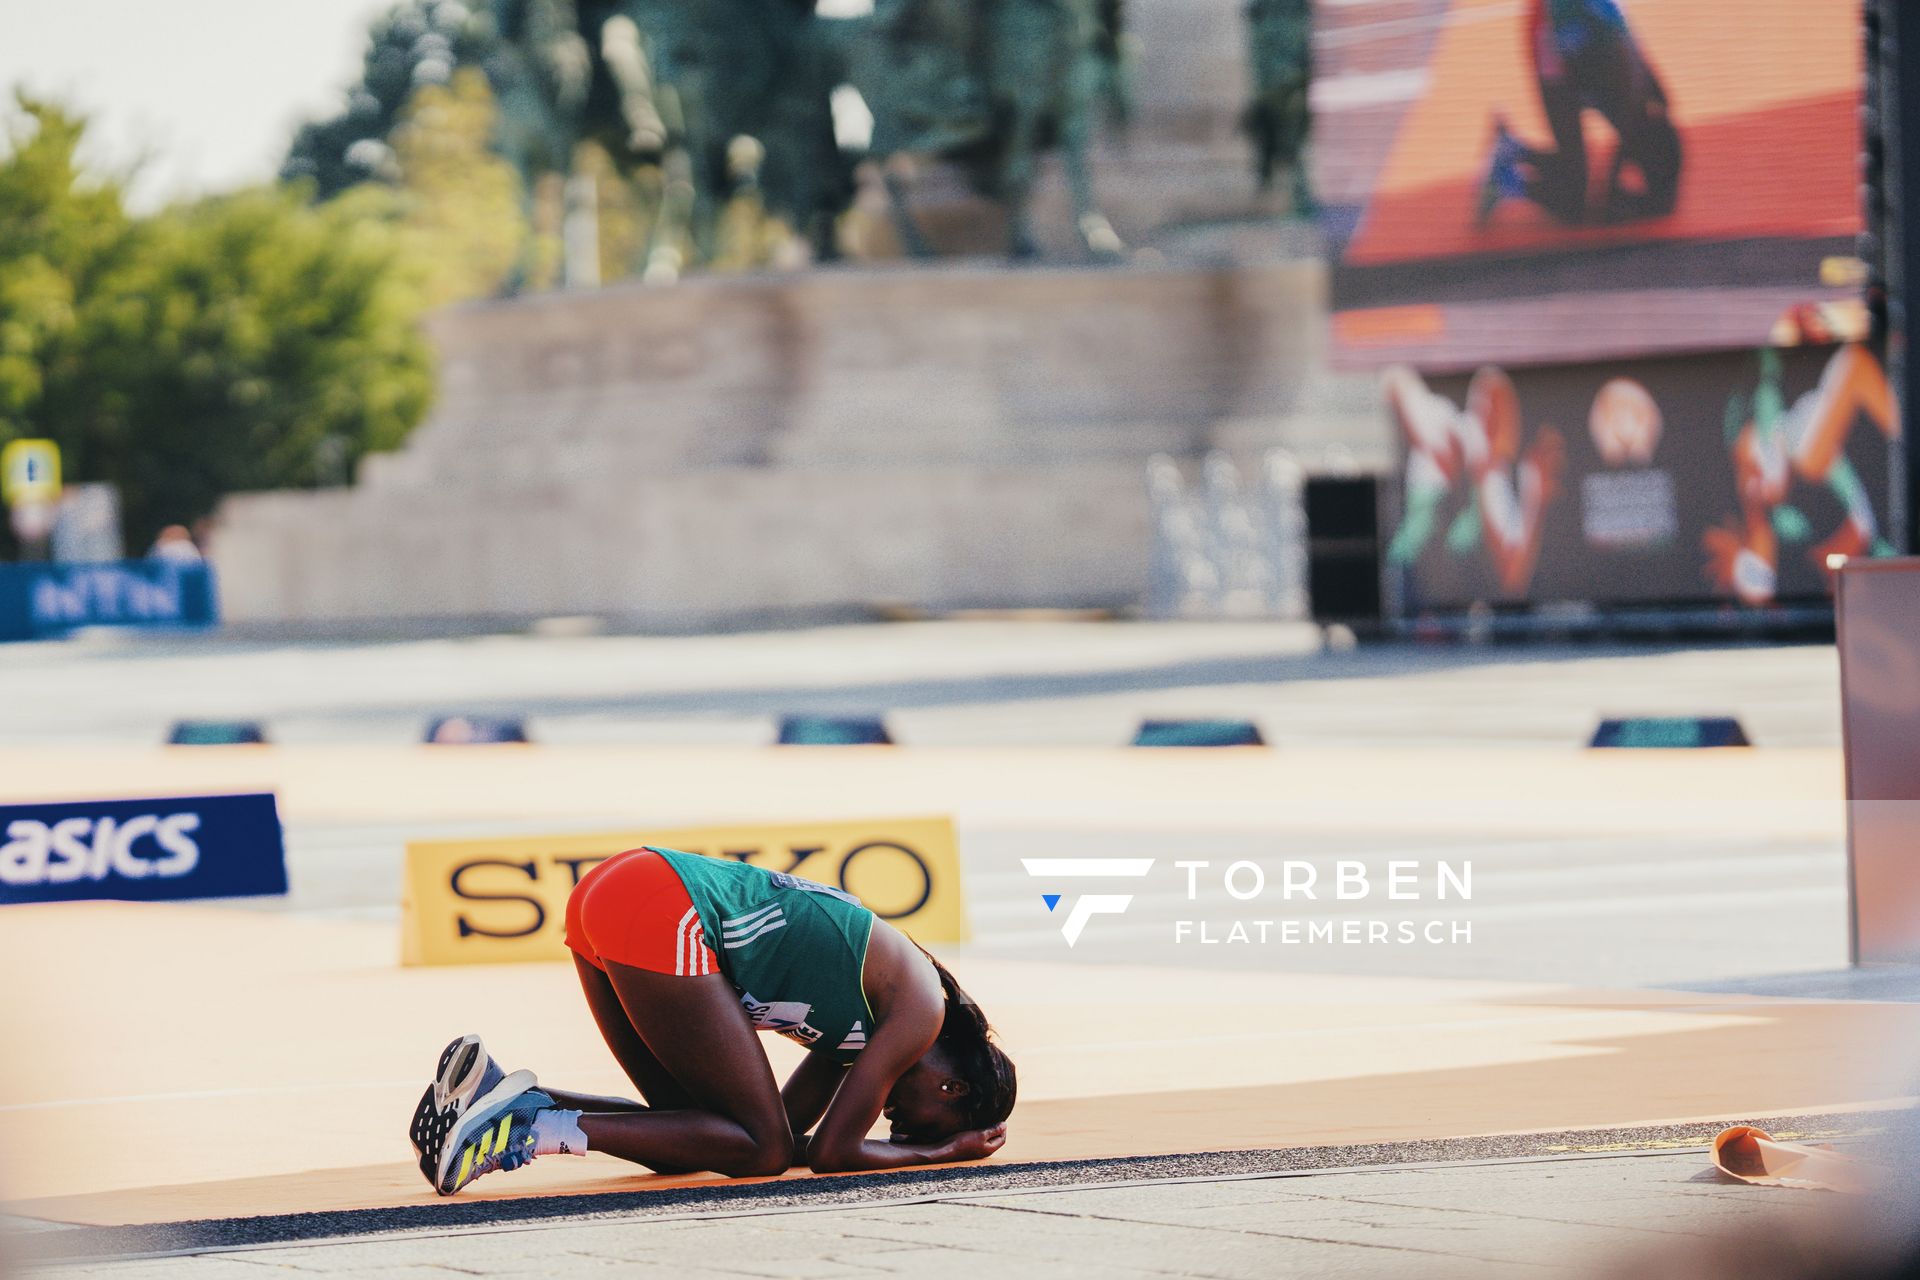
495, 901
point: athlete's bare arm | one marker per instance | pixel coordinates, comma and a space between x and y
842, 1145
806, 1095
908, 1008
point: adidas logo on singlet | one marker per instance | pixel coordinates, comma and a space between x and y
856, 1038
741, 930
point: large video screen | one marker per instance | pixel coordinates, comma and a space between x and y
1570, 178
1676, 480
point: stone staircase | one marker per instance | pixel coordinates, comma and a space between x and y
737, 450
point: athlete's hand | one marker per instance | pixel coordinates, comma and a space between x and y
973, 1144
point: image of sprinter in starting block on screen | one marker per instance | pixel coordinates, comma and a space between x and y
1585, 58
682, 958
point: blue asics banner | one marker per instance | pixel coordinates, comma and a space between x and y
142, 850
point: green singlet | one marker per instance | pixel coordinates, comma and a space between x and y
794, 950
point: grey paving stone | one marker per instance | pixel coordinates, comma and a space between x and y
1124, 1198
223, 1267
1527, 1218
1443, 1237
934, 1263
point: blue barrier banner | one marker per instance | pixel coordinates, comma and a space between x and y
42, 601
142, 850
1670, 732
1198, 733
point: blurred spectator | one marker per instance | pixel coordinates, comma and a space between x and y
175, 543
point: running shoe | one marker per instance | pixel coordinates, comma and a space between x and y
1503, 180
496, 1133
465, 1072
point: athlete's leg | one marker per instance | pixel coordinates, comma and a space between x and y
1818, 427
1627, 92
1743, 554
1859, 533
1417, 521
1851, 384
1463, 535
675, 1025
1654, 154
655, 1083
1514, 507
1426, 421
644, 911
697, 1031
1557, 178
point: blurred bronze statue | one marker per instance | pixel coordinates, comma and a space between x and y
990, 85
679, 82
1279, 117
540, 69
724, 98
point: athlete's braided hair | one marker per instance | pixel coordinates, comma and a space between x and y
968, 1040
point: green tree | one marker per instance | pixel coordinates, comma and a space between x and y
60, 233
415, 44
242, 342
460, 208
253, 342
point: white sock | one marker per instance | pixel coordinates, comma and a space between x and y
557, 1133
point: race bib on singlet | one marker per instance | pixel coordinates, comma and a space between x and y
782, 1017
786, 881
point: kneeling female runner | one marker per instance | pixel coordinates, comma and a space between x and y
682, 959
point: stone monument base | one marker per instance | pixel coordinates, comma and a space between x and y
785, 447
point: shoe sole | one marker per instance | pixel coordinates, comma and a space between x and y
421, 1131
463, 1064
456, 1078
482, 1110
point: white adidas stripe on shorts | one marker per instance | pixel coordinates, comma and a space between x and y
691, 956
